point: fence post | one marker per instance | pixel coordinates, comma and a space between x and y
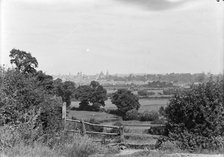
64, 116
83, 129
121, 132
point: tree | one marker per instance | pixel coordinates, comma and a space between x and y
91, 96
83, 94
196, 116
27, 96
98, 95
65, 90
24, 61
125, 101
45, 81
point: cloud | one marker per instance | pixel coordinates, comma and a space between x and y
156, 5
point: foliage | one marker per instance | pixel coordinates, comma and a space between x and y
24, 61
158, 84
26, 132
132, 115
19, 94
125, 101
44, 81
65, 90
98, 96
196, 117
149, 116
143, 93
93, 94
27, 102
83, 93
162, 111
51, 116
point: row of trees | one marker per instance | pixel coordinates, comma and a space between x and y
32, 87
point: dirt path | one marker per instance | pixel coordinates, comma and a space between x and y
132, 151
128, 151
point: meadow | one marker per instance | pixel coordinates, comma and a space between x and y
146, 104
102, 117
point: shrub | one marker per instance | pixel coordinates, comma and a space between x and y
151, 93
132, 115
159, 130
149, 116
162, 111
160, 120
143, 93
196, 117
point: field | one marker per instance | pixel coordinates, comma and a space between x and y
87, 115
109, 119
146, 104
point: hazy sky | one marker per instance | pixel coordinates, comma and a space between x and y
121, 36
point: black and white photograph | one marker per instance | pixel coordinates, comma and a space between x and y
111, 78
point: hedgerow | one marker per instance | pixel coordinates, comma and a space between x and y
196, 117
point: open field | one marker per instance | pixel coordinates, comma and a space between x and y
87, 115
146, 104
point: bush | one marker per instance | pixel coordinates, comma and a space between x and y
160, 120
143, 93
149, 116
196, 117
159, 130
132, 115
151, 93
162, 111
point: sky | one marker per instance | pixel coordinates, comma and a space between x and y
119, 36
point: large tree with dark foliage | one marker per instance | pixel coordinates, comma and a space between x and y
196, 117
92, 96
125, 101
24, 61
98, 95
65, 90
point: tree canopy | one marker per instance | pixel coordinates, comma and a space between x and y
24, 61
125, 101
65, 90
91, 96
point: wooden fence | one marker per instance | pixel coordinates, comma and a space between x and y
121, 134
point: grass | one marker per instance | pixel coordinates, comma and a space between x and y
146, 104
78, 146
98, 116
38, 150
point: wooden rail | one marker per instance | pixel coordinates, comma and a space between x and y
120, 129
144, 125
141, 135
99, 125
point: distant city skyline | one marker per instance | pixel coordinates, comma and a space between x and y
121, 36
